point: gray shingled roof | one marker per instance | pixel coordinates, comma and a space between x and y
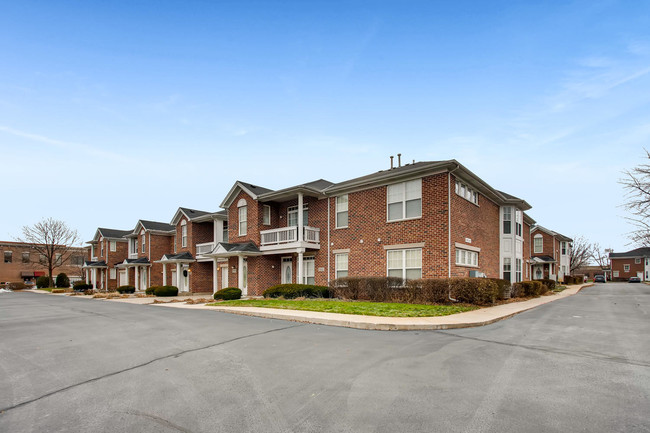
639, 252
246, 247
113, 233
193, 213
181, 256
98, 264
552, 233
155, 225
255, 188
140, 261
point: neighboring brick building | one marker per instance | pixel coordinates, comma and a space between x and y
551, 257
421, 220
635, 263
107, 249
21, 263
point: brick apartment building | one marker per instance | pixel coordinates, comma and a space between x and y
635, 263
21, 263
422, 220
107, 248
551, 255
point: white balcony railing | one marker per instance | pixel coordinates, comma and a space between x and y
204, 248
93, 259
287, 235
133, 255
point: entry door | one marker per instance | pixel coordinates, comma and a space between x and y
123, 278
287, 271
143, 279
174, 279
224, 277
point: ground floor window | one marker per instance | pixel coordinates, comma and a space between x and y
507, 268
308, 270
405, 264
112, 274
518, 270
341, 265
616, 274
466, 257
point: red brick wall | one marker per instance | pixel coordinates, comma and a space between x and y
11, 272
618, 265
201, 277
481, 225
254, 220
111, 258
367, 222
158, 245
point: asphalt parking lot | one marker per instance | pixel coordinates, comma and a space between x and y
577, 364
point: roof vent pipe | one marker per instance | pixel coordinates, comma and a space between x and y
391, 162
399, 159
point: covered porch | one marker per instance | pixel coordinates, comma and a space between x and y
95, 273
543, 267
141, 269
180, 264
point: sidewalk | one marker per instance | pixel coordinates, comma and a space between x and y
480, 317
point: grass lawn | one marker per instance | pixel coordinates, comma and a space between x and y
352, 307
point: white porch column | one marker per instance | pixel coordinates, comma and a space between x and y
137, 278
179, 277
300, 220
215, 276
87, 276
240, 275
127, 276
164, 274
300, 253
95, 278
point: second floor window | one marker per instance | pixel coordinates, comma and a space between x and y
404, 200
342, 211
225, 231
563, 246
102, 248
243, 220
507, 220
266, 215
143, 243
292, 215
113, 246
8, 256
538, 244
183, 234
518, 218
26, 257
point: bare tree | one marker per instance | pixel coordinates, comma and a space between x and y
53, 240
637, 185
600, 256
581, 253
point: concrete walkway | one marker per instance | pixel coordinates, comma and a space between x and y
480, 317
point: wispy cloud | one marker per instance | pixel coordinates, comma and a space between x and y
66, 145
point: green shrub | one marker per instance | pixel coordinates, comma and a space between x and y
126, 289
164, 291
228, 294
425, 291
548, 284
43, 282
478, 291
80, 286
379, 289
505, 288
62, 280
291, 291
528, 289
151, 290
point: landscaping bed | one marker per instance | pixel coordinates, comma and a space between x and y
385, 309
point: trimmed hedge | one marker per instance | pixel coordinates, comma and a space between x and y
573, 279
43, 282
505, 288
526, 289
17, 286
479, 291
164, 291
80, 286
151, 289
291, 291
58, 291
126, 289
227, 294
62, 280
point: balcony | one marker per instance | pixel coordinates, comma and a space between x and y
93, 259
204, 248
287, 237
133, 255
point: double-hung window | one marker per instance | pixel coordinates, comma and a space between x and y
112, 246
102, 248
466, 257
404, 200
636, 261
466, 192
243, 220
518, 270
342, 211
626, 268
8, 256
225, 231
406, 264
266, 215
144, 242
341, 265
26, 257
507, 268
308, 269
538, 244
507, 220
183, 234
518, 219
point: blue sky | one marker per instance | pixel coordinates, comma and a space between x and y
112, 112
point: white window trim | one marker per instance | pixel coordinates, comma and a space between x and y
404, 267
541, 246
244, 220
404, 218
294, 209
469, 255
337, 211
626, 268
305, 260
112, 246
112, 275
404, 246
637, 261
467, 247
183, 234
465, 189
336, 265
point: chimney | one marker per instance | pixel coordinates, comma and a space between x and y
391, 162
399, 159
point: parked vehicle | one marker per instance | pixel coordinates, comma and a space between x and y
599, 279
634, 280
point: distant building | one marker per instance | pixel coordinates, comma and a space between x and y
22, 263
635, 263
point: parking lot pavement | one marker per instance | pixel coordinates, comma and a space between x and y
577, 364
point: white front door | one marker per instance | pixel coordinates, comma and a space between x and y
123, 278
224, 277
174, 279
287, 271
186, 279
143, 279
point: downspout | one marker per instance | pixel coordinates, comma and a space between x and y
328, 240
449, 231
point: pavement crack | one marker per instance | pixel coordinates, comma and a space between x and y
583, 354
144, 364
158, 420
